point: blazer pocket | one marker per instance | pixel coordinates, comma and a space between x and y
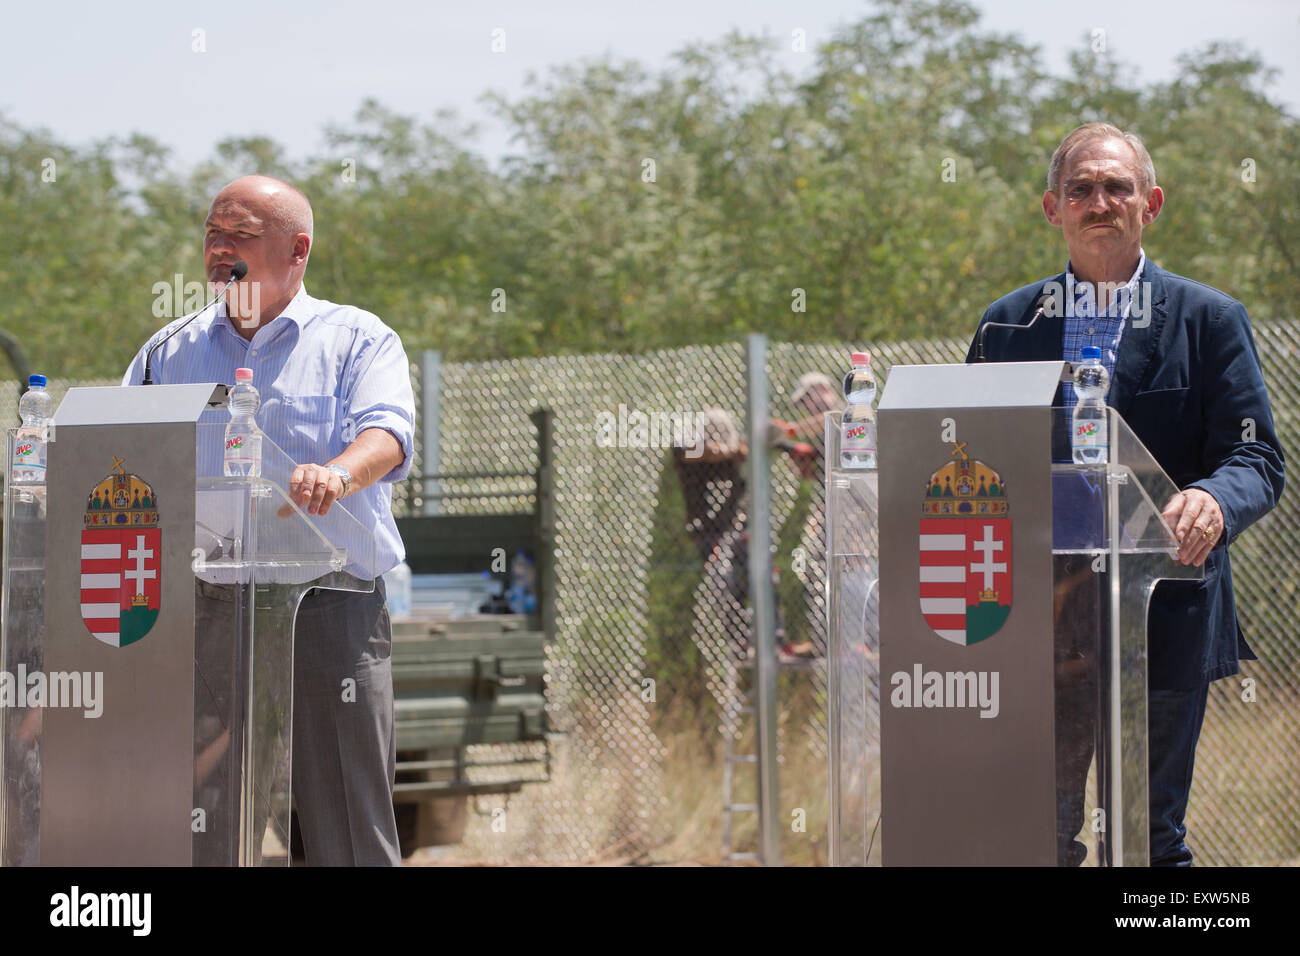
1163, 394
1162, 404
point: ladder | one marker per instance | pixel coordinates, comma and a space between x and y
739, 705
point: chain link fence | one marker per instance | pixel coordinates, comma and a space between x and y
648, 583
649, 669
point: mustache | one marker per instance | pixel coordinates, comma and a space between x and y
1099, 221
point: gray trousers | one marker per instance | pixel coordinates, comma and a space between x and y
344, 749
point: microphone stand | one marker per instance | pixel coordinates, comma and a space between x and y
980, 355
237, 272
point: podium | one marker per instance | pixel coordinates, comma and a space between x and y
146, 650
987, 634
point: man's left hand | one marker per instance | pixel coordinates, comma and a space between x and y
314, 488
1196, 521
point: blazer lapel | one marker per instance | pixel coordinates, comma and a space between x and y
1141, 335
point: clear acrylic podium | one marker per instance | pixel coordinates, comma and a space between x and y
926, 768
143, 582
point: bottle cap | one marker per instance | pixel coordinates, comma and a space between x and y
1091, 352
243, 375
36, 381
861, 358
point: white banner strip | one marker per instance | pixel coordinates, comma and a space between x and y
943, 605
99, 552
99, 612
91, 582
943, 542
941, 574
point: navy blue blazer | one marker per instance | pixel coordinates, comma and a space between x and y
1189, 384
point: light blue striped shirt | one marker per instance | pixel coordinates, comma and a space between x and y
1086, 325
325, 373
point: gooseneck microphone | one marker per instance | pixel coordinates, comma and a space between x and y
979, 347
237, 272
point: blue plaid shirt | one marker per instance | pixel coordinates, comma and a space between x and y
1083, 326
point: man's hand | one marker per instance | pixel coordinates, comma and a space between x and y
314, 488
372, 454
1196, 521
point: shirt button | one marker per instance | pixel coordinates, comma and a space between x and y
1091, 331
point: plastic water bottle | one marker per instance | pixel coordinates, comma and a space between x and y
1089, 437
522, 594
243, 437
857, 426
397, 584
35, 409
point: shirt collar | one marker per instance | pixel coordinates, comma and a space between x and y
299, 311
1085, 294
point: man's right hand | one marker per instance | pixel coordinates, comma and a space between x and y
314, 488
1196, 521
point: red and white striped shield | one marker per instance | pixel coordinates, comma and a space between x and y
121, 582
965, 570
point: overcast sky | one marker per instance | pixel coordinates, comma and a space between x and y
90, 70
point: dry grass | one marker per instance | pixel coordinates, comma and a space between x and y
692, 772
1242, 808
1248, 765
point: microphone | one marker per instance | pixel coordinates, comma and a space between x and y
237, 272
1043, 299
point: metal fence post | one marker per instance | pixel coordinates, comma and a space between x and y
431, 427
762, 597
544, 420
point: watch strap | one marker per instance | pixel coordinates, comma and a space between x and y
345, 475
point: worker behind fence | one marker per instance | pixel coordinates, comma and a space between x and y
713, 488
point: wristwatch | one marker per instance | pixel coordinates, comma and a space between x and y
345, 475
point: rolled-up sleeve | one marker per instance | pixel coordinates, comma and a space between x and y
379, 395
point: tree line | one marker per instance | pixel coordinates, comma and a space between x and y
890, 191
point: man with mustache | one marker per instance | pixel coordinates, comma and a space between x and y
336, 397
1185, 375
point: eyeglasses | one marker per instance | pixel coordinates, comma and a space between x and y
1078, 190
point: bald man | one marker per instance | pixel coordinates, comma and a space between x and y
336, 397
